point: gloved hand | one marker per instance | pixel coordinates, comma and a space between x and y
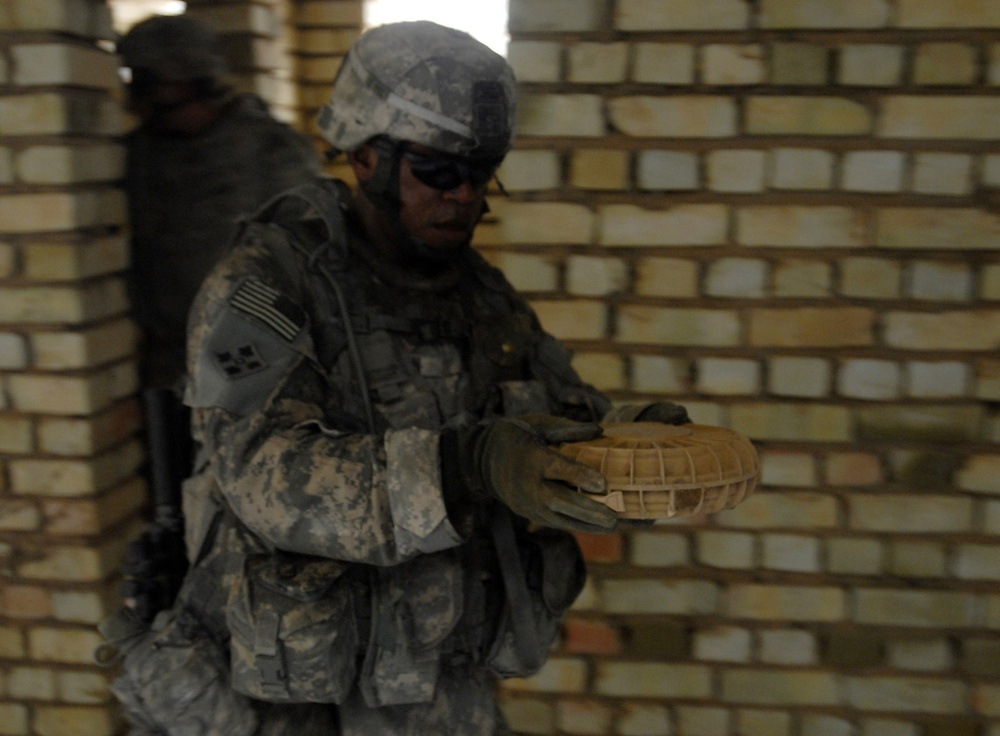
664, 412
509, 459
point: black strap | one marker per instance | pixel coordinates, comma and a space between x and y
518, 601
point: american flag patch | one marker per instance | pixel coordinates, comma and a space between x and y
270, 306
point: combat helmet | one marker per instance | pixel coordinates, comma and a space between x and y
174, 48
422, 82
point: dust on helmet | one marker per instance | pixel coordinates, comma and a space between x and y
422, 82
175, 48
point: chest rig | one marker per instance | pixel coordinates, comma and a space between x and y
425, 358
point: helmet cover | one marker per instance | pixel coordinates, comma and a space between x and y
422, 82
176, 48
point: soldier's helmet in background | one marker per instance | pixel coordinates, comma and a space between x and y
419, 81
174, 48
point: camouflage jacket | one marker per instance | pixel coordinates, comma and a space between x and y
185, 194
285, 342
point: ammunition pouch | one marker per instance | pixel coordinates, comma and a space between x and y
415, 610
543, 573
294, 632
175, 681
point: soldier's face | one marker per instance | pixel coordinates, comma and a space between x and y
441, 196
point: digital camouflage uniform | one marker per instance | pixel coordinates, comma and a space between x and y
282, 422
185, 194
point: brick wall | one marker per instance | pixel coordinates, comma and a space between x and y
69, 494
783, 214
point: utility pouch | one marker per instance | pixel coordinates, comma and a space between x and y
175, 682
294, 630
416, 607
543, 573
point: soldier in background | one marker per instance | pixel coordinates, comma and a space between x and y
200, 158
378, 527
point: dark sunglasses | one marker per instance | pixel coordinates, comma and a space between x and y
447, 172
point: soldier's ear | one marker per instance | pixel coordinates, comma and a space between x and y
363, 161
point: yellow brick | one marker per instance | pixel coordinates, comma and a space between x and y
923, 608
65, 165
557, 675
15, 719
573, 320
802, 278
783, 510
956, 330
952, 14
871, 278
65, 564
801, 226
736, 171
60, 15
557, 15
33, 683
26, 213
724, 64
683, 224
51, 63
91, 301
940, 116
606, 371
16, 435
599, 169
980, 474
663, 63
578, 115
824, 13
812, 327
681, 15
945, 63
665, 326
326, 41
793, 422
82, 477
524, 171
778, 687
6, 166
94, 516
938, 228
910, 514
535, 61
597, 63
787, 603
652, 680
528, 272
595, 276
238, 18
89, 435
656, 374
545, 222
19, 516
62, 395
670, 277
72, 261
53, 720
12, 643
325, 13
85, 688
645, 116
871, 65
95, 346
800, 115
799, 64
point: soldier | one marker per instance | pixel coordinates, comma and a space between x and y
200, 158
378, 526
